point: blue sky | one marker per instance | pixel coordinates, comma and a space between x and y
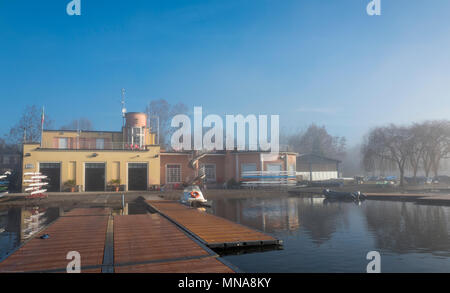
322, 61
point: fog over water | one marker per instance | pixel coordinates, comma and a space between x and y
336, 237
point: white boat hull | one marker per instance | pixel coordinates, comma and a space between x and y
192, 194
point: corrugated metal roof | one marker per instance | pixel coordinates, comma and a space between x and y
315, 159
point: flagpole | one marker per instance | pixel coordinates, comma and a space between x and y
42, 124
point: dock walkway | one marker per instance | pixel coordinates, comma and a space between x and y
146, 243
150, 243
81, 230
212, 231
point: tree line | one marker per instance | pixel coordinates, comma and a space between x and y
417, 147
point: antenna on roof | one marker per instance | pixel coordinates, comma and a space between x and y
124, 110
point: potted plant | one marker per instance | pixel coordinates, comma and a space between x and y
115, 183
70, 184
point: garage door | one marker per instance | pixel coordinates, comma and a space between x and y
137, 176
94, 177
53, 172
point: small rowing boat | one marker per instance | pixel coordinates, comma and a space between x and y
343, 196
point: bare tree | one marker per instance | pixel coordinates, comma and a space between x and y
391, 143
375, 160
163, 111
437, 142
28, 128
419, 143
79, 124
318, 141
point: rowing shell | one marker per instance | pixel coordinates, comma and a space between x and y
38, 191
38, 184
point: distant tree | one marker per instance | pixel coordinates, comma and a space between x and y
418, 147
163, 111
391, 143
422, 145
28, 128
437, 144
373, 160
79, 124
6, 147
318, 141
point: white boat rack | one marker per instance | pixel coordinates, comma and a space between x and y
35, 185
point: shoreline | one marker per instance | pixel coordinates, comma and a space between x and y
115, 198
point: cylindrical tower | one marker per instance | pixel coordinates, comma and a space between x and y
135, 129
135, 119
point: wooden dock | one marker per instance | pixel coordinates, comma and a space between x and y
210, 230
423, 198
150, 243
395, 196
435, 200
81, 230
123, 244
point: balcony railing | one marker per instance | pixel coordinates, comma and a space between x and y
88, 145
107, 145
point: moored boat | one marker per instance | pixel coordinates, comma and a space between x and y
193, 195
343, 196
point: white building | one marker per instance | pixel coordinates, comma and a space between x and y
313, 167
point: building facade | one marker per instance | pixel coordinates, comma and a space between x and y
221, 167
97, 160
311, 167
102, 160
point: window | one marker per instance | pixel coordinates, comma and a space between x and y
62, 142
137, 136
274, 167
248, 167
100, 143
173, 173
210, 171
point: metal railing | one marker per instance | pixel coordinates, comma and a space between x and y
88, 145
269, 178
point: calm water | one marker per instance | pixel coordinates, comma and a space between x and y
317, 236
336, 237
19, 224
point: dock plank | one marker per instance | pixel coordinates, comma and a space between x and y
203, 265
212, 230
75, 233
138, 243
150, 243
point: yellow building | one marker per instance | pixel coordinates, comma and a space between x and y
97, 160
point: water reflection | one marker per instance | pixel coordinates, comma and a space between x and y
404, 227
19, 224
323, 236
321, 219
285, 215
